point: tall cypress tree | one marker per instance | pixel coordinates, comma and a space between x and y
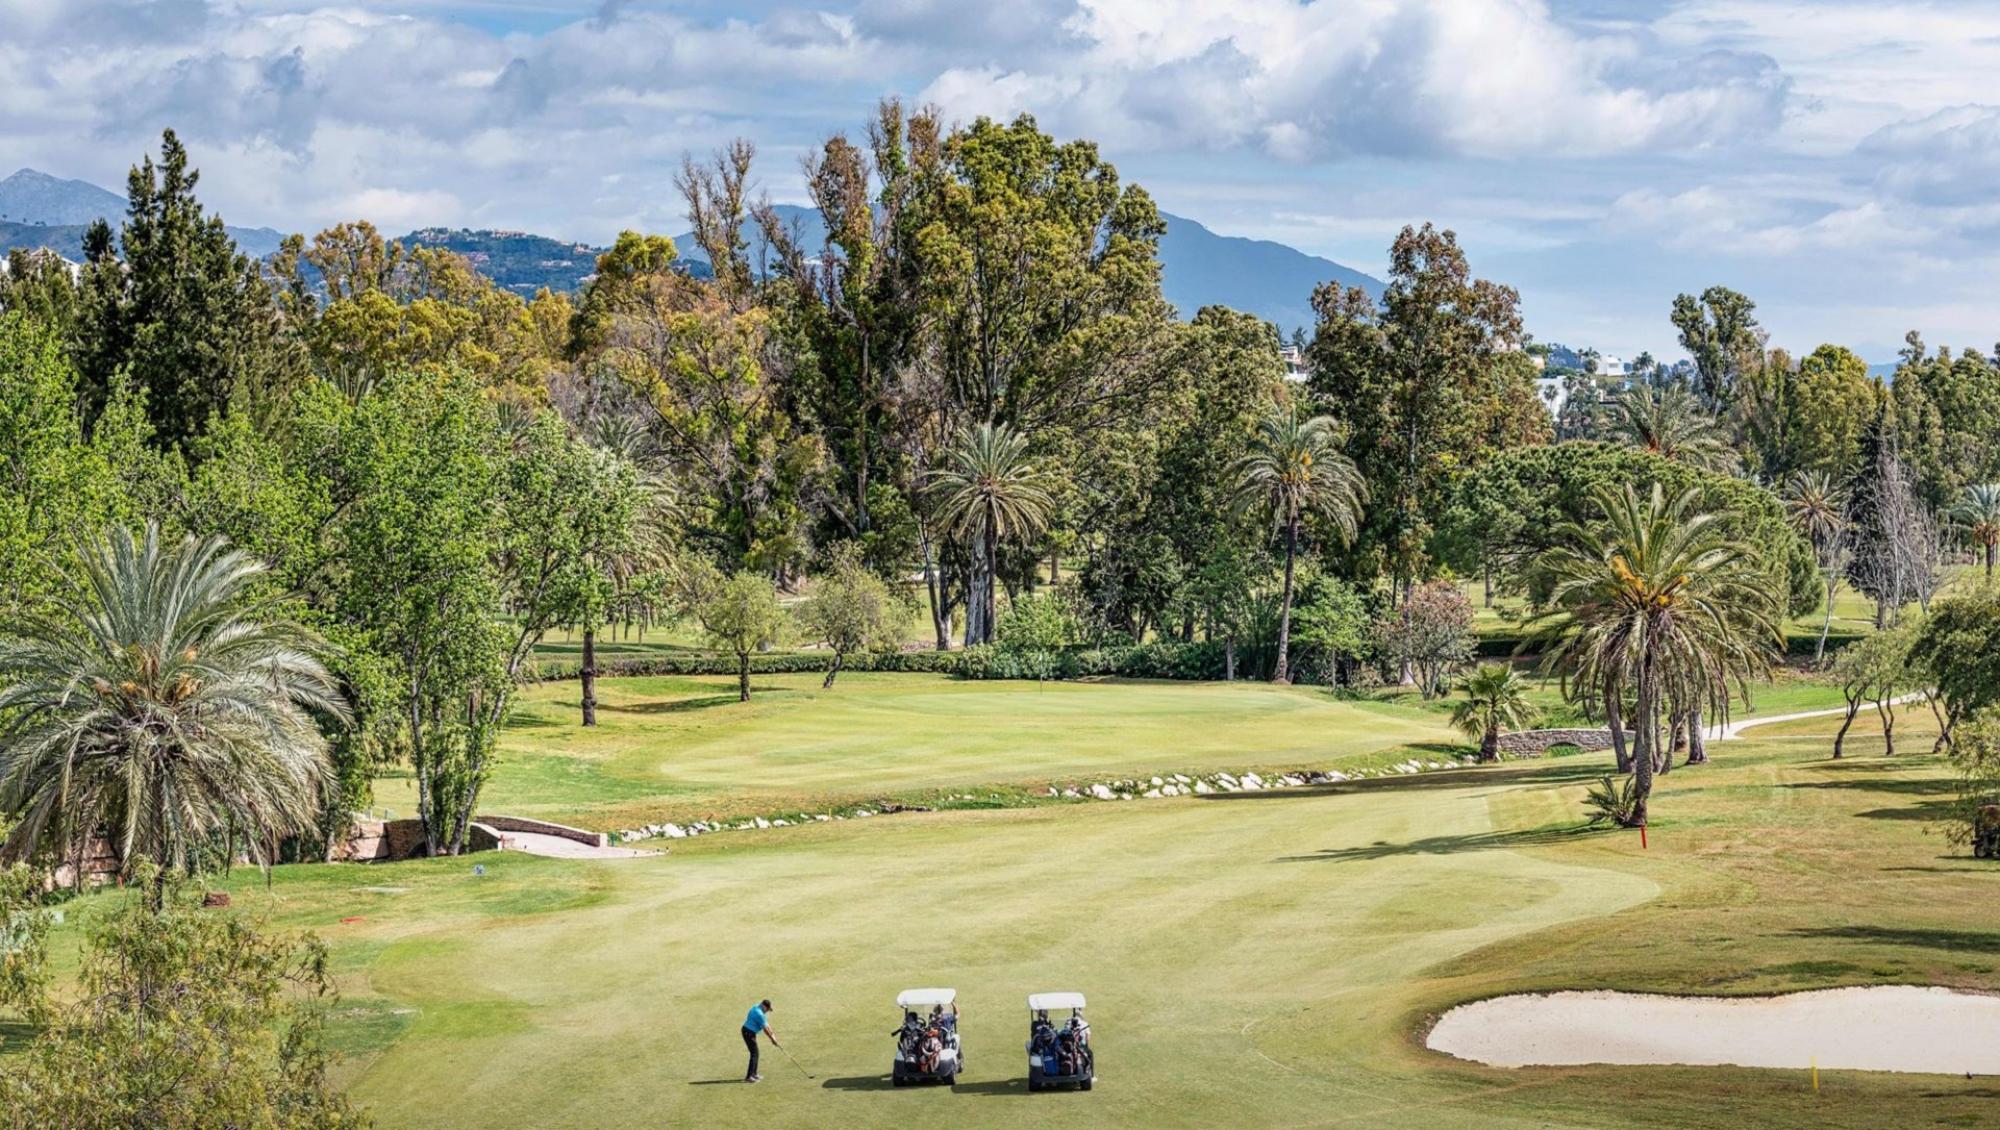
185, 317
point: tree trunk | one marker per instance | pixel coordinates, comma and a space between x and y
1486, 567
1055, 567
940, 615
1648, 738
1840, 738
589, 677
1697, 741
1944, 727
1826, 624
1489, 744
1887, 710
1229, 659
1613, 718
743, 676
831, 672
1284, 674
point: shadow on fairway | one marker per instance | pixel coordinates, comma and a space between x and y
685, 705
711, 1082
1929, 810
1448, 845
860, 1083
1434, 779
1958, 941
1907, 786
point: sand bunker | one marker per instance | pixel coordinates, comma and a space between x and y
1887, 1028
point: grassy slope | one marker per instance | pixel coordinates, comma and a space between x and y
1254, 960
681, 748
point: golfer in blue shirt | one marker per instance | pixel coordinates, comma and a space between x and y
757, 1021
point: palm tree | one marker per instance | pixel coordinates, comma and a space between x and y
164, 706
1817, 509
1667, 421
1979, 512
1656, 597
1495, 697
1294, 467
989, 491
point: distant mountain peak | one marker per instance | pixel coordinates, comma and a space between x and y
33, 197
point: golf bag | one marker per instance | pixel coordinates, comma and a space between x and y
1072, 1049
1042, 1041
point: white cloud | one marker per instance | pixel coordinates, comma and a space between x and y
1419, 77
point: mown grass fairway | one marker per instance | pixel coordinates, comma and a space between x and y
1252, 960
681, 748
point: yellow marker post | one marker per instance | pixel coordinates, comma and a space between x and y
1815, 1071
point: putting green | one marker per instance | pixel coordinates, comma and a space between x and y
685, 748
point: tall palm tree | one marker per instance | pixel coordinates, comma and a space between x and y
1979, 513
1817, 508
165, 706
1657, 598
1294, 467
1495, 697
990, 491
1668, 421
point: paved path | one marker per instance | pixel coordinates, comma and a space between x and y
1732, 730
539, 843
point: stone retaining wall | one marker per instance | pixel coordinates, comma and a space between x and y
1534, 743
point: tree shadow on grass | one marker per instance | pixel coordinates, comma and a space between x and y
1928, 811
1954, 941
684, 705
1449, 845
1432, 779
1907, 786
860, 1083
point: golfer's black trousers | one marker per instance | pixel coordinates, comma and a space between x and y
750, 1041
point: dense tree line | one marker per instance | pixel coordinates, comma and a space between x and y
971, 390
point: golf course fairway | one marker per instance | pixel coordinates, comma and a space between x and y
1252, 959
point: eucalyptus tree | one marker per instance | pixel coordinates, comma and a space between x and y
166, 702
1977, 512
1655, 597
1427, 381
1719, 330
989, 491
1295, 468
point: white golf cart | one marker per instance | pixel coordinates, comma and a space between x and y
927, 1047
1059, 1052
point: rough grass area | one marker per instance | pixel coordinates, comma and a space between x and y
685, 748
1253, 959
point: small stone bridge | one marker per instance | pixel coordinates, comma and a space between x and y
1534, 743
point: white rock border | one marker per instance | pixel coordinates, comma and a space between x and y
1137, 788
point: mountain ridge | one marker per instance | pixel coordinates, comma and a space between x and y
1199, 266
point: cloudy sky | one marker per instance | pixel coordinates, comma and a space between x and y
1838, 160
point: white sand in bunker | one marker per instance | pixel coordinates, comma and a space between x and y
1885, 1028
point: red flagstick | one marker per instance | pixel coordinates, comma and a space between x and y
1642, 837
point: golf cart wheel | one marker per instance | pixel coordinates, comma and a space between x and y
1085, 1085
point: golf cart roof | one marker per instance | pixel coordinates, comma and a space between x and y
1054, 1002
925, 998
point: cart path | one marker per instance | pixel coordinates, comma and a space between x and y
539, 843
1730, 731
